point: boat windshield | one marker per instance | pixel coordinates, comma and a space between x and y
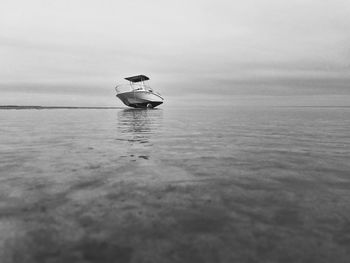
133, 87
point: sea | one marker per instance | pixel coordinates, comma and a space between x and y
208, 183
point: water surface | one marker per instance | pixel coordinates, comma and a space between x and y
207, 184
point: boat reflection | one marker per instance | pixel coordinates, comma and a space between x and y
139, 125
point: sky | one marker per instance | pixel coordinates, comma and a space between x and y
73, 52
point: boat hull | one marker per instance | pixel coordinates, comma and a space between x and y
140, 99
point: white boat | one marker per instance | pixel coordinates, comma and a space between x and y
137, 94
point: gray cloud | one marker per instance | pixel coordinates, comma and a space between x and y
86, 46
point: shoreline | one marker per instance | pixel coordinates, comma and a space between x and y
15, 107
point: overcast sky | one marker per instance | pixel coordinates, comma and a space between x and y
76, 50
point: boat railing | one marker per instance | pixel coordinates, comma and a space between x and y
132, 87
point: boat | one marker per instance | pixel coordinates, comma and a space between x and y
138, 94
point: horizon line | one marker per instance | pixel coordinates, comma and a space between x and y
36, 107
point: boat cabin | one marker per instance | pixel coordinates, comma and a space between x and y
138, 83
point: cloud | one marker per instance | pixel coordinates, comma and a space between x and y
88, 43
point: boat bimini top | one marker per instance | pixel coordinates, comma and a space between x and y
138, 78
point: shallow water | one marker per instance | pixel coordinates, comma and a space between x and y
227, 184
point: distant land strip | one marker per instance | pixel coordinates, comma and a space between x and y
15, 107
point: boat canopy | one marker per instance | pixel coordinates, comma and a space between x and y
137, 78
